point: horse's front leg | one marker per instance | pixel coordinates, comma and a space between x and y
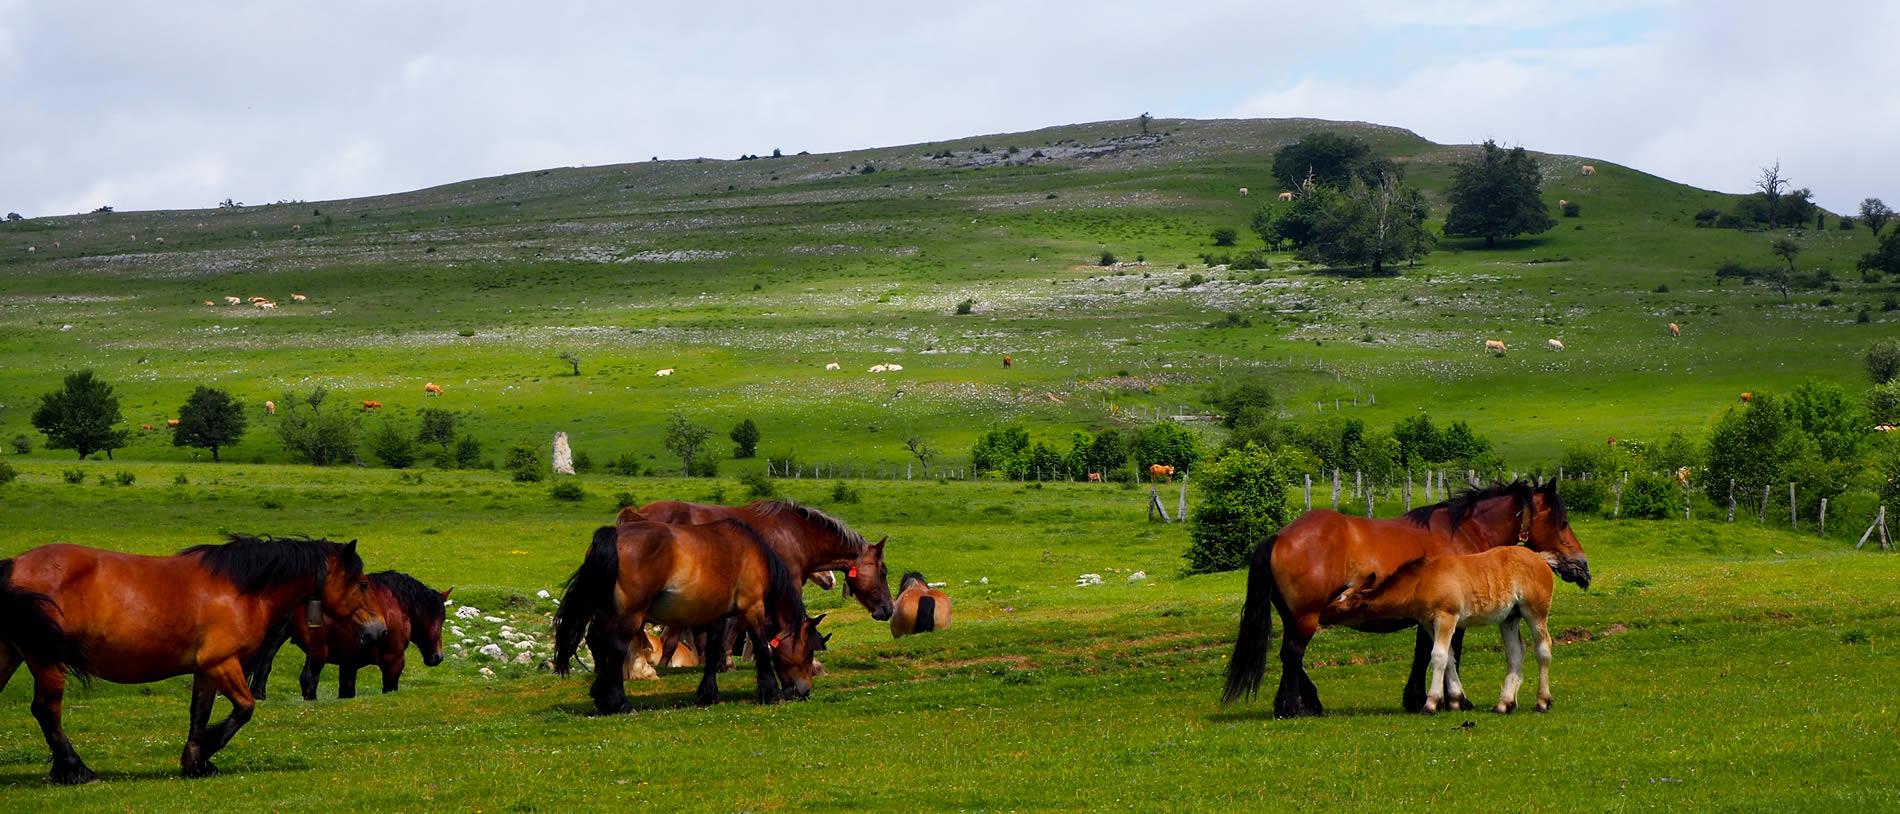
1413, 699
225, 679
713, 648
312, 673
1454, 684
49, 693
1297, 697
266, 658
1513, 665
392, 668
346, 679
196, 762
765, 666
1442, 630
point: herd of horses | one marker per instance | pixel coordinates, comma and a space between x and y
709, 574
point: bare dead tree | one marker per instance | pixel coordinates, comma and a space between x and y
920, 449
1771, 184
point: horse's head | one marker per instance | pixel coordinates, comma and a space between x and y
1351, 603
793, 653
346, 595
868, 581
427, 636
1547, 532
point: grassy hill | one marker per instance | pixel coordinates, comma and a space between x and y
748, 276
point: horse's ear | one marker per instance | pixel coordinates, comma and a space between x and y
824, 642
349, 547
445, 594
879, 548
1370, 580
815, 620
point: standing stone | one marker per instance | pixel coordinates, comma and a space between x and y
563, 455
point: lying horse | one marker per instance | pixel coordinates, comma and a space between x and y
134, 619
920, 608
1450, 593
411, 610
684, 577
1297, 570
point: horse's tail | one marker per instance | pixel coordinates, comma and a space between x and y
29, 623
926, 615
585, 594
1248, 665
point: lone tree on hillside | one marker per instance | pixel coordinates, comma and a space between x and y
684, 439
1882, 359
746, 435
1771, 184
920, 449
1875, 214
1145, 119
1787, 249
438, 427
1497, 194
312, 435
81, 417
571, 359
1328, 159
1370, 225
209, 419
1885, 258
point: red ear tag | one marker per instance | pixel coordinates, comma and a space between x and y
853, 573
774, 641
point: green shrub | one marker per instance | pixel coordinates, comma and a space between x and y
1864, 317
1706, 216
705, 465
1572, 209
524, 464
468, 453
74, 476
124, 478
1108, 258
1225, 236
1889, 303
1243, 499
966, 306
627, 465
758, 485
22, 446
1883, 403
1586, 496
465, 332
624, 500
1651, 497
1662, 288
842, 492
568, 491
393, 447
180, 480
7, 473
583, 462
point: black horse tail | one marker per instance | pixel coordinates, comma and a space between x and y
29, 623
1248, 665
585, 594
926, 615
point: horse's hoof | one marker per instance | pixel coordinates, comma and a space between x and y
707, 699
73, 775
202, 768
1428, 709
1504, 708
768, 698
1542, 706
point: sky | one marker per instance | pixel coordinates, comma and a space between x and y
185, 103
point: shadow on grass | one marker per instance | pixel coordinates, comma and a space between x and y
1264, 712
35, 773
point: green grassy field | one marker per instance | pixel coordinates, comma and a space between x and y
1710, 666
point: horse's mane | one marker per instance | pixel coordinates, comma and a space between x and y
422, 605
845, 534
782, 592
909, 577
1408, 567
257, 564
1467, 502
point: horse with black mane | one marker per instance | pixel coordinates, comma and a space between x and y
684, 576
1297, 570
413, 612
132, 619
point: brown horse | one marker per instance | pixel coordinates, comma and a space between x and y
413, 612
1298, 569
134, 619
1450, 593
920, 608
686, 577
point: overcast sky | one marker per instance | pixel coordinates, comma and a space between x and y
183, 103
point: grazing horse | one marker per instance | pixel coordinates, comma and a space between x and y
810, 542
270, 407
1095, 477
920, 608
1746, 397
1589, 169
1554, 344
372, 405
1674, 329
1447, 594
1495, 346
147, 427
1286, 196
684, 576
411, 610
171, 423
1297, 570
1006, 362
1160, 472
432, 389
135, 619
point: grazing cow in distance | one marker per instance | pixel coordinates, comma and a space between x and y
270, 407
1561, 202
1095, 477
1160, 472
296, 228
1495, 346
1555, 344
1589, 169
266, 305
1243, 192
171, 422
210, 303
232, 300
33, 248
893, 366
299, 297
667, 371
833, 366
1006, 362
1883, 428
1682, 475
147, 427
1612, 440
1746, 397
372, 405
1286, 196
432, 389
1674, 329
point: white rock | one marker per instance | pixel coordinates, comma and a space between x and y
491, 651
985, 580
507, 629
1088, 579
468, 642
563, 455
524, 658
488, 672
456, 632
1138, 576
510, 635
937, 584
467, 612
523, 645
543, 594
492, 619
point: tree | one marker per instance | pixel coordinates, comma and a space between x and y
438, 427
1751, 445
920, 449
209, 419
997, 446
1236, 396
1370, 225
1242, 500
1108, 452
1882, 359
13, 217
571, 359
1168, 444
1266, 223
1771, 184
1420, 442
393, 447
81, 417
1497, 194
313, 436
1787, 249
1875, 214
1831, 420
1885, 258
1330, 160
684, 439
1225, 236
746, 435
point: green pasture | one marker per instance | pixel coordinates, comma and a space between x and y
1710, 666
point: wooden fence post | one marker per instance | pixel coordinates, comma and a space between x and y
1823, 532
1180, 509
1761, 514
1309, 493
1793, 525
1880, 521
1335, 490
1731, 500
1358, 483
1408, 490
